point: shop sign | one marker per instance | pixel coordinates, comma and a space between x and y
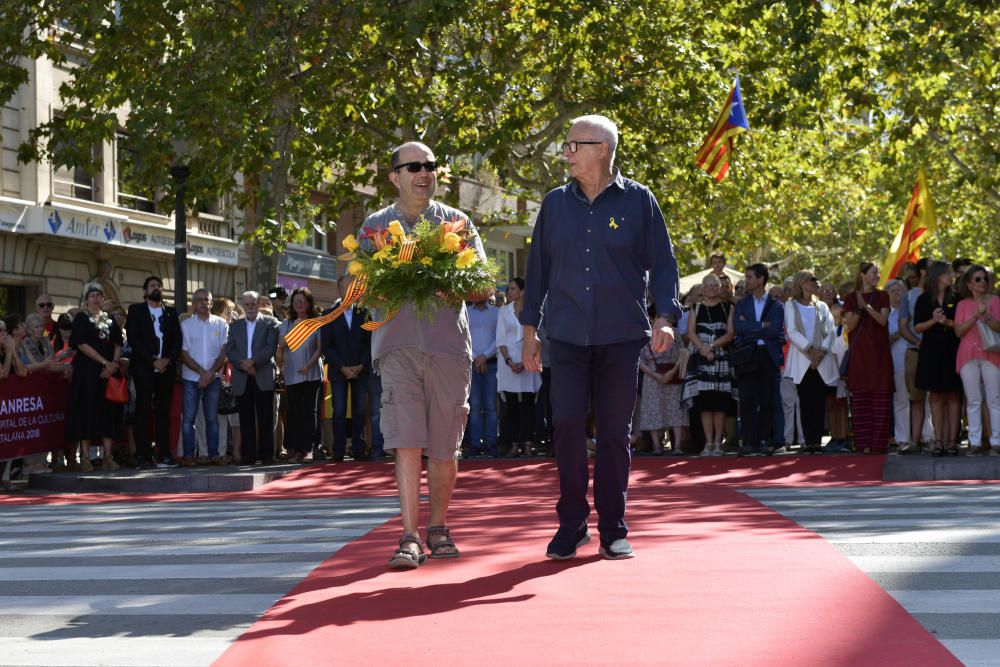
307, 265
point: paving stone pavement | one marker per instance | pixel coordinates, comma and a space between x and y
935, 549
162, 583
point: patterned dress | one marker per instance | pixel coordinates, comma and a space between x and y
709, 384
661, 403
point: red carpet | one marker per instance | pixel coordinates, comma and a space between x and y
719, 580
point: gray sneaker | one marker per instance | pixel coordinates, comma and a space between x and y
617, 550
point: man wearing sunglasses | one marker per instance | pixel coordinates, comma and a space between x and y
424, 365
44, 306
598, 242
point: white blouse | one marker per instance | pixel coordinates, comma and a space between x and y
511, 333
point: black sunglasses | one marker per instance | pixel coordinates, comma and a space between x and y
46, 305
573, 146
413, 167
979, 279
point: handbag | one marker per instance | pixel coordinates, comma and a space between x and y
116, 390
664, 366
227, 401
991, 338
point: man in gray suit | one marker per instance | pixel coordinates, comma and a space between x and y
250, 349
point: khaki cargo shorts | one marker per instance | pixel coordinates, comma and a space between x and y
425, 402
910, 376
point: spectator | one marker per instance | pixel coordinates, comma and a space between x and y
960, 265
16, 329
251, 355
810, 363
896, 289
718, 263
740, 289
43, 307
303, 373
89, 416
978, 368
483, 395
934, 317
920, 423
758, 323
869, 376
708, 385
828, 294
9, 362
777, 293
64, 327
229, 312
347, 348
35, 350
154, 334
660, 399
203, 356
726, 289
517, 387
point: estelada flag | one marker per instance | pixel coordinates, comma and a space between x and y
713, 156
918, 224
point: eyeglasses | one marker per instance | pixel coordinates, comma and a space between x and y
574, 146
414, 167
811, 279
979, 279
46, 305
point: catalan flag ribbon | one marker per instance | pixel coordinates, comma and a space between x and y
918, 224
304, 328
713, 156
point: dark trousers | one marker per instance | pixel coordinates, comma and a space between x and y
358, 387
153, 391
757, 390
300, 418
605, 376
543, 409
256, 407
520, 416
812, 401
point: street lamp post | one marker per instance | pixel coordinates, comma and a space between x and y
180, 173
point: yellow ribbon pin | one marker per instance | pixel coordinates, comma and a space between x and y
613, 224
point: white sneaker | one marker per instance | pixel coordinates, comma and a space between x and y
707, 451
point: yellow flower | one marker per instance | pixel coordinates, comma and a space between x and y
383, 254
396, 229
351, 243
400, 261
426, 261
450, 242
355, 268
466, 258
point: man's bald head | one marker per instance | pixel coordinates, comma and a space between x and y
397, 154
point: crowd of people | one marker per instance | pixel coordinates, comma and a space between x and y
758, 369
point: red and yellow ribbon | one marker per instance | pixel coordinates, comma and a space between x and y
301, 332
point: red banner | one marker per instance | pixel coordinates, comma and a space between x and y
32, 414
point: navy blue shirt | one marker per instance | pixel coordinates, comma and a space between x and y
590, 263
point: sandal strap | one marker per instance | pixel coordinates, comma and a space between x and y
410, 538
434, 531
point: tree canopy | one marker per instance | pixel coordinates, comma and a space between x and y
846, 101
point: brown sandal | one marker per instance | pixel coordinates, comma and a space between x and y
445, 546
403, 558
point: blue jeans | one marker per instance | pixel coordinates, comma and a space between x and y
483, 410
375, 391
209, 397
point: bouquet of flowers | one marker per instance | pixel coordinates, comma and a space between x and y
433, 264
103, 324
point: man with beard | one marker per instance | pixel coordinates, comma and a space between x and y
154, 334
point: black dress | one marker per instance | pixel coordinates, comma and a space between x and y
88, 415
708, 386
939, 347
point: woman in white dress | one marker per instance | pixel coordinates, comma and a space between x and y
516, 386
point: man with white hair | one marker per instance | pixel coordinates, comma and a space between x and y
598, 242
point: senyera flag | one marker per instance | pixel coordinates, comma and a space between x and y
918, 224
713, 156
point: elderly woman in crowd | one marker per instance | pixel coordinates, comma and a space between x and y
978, 367
98, 342
869, 373
35, 350
660, 402
810, 363
9, 362
934, 317
709, 384
516, 386
303, 375
896, 288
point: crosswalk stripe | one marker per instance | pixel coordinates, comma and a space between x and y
161, 584
935, 549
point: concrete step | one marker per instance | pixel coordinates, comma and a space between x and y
924, 468
170, 480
